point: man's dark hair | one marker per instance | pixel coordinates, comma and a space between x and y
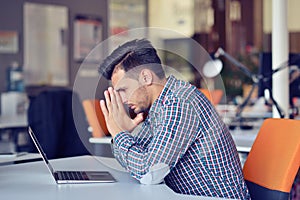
133, 54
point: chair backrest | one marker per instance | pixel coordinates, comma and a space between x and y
95, 117
57, 118
214, 96
274, 159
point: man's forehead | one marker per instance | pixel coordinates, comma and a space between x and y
117, 76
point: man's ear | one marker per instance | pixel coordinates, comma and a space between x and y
146, 77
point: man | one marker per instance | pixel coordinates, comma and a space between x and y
182, 140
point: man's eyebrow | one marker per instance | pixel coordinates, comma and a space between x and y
120, 89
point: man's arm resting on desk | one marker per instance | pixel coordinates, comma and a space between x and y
156, 173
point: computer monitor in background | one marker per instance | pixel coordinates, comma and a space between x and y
265, 69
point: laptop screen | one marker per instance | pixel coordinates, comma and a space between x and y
38, 146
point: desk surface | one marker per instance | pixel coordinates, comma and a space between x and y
243, 139
19, 158
100, 140
33, 181
13, 121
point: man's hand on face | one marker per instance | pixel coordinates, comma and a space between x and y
115, 115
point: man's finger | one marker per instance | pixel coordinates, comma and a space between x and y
112, 98
138, 119
107, 100
104, 109
119, 102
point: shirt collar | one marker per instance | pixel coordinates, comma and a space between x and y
166, 90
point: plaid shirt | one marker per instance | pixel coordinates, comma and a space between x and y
184, 131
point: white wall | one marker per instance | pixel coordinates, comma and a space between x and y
177, 15
293, 15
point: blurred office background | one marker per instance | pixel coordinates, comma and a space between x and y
44, 45
41, 38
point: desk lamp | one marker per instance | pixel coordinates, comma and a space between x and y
213, 68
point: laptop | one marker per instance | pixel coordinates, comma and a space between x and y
62, 177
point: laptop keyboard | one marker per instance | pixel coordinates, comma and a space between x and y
72, 175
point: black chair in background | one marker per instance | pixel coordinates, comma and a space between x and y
52, 118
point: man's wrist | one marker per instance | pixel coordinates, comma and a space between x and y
113, 137
115, 132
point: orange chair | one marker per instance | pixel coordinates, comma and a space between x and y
215, 96
274, 160
95, 117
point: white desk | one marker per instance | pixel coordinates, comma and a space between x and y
19, 158
244, 138
13, 121
102, 140
32, 181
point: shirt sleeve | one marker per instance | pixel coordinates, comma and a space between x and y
115, 152
173, 132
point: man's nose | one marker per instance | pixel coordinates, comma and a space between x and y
123, 98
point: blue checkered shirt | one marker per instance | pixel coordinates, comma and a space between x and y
184, 131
